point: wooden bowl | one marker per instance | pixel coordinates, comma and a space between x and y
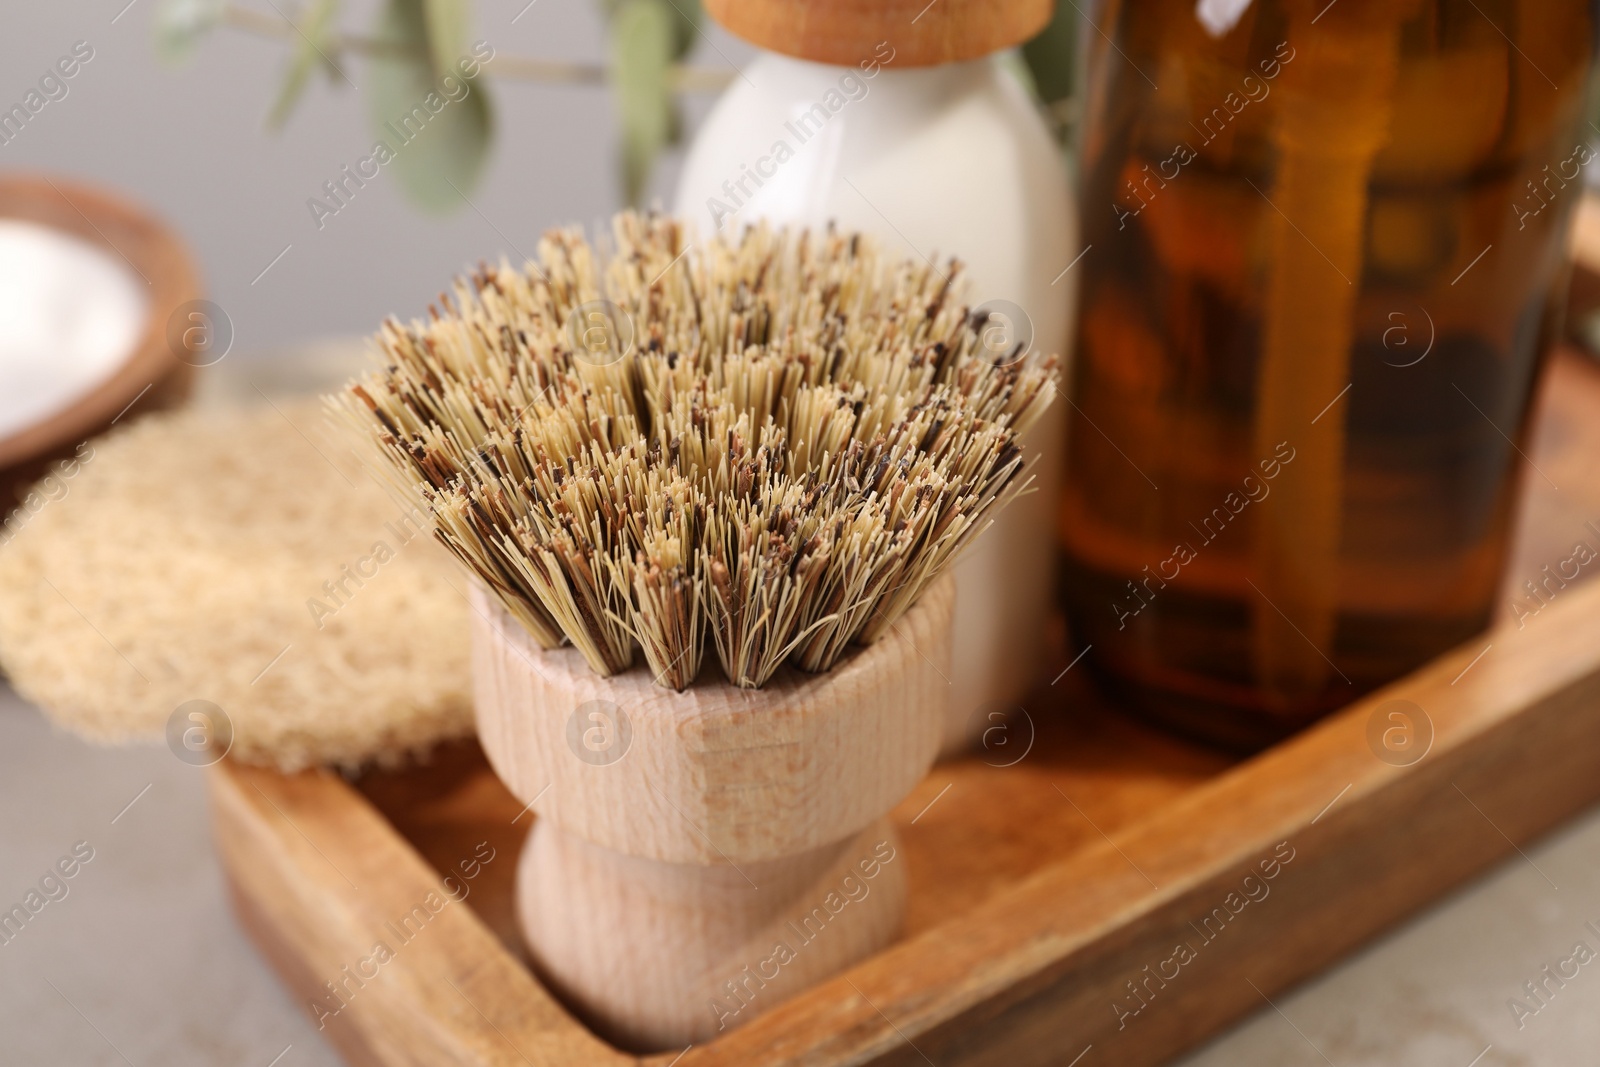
151, 376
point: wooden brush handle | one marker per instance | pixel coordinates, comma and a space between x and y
655, 955
677, 830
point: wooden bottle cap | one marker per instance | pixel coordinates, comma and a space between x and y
847, 32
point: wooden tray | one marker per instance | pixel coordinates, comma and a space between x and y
1049, 898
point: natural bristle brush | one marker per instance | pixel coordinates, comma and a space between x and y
759, 452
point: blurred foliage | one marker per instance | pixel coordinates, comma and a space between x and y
416, 43
448, 23
315, 29
413, 47
440, 164
646, 38
1050, 55
1052, 59
181, 23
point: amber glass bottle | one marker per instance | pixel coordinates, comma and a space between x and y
1327, 246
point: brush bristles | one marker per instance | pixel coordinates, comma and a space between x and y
800, 438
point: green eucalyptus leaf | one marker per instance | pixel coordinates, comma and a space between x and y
181, 23
642, 42
685, 26
448, 22
1052, 56
686, 19
314, 42
439, 144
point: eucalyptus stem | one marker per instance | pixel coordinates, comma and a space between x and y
680, 78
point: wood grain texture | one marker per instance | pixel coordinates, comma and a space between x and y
681, 833
320, 882
847, 32
714, 774
705, 948
152, 377
1040, 887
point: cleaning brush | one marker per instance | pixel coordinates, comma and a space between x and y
779, 441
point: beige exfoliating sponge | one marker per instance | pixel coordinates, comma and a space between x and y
221, 556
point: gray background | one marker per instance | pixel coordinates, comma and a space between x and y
190, 143
142, 964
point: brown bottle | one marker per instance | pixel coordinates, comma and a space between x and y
1326, 259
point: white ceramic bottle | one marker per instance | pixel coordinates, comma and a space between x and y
913, 129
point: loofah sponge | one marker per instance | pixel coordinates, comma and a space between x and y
221, 556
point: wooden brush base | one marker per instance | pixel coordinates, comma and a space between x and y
679, 833
657, 955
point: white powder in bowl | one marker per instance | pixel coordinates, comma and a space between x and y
70, 314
